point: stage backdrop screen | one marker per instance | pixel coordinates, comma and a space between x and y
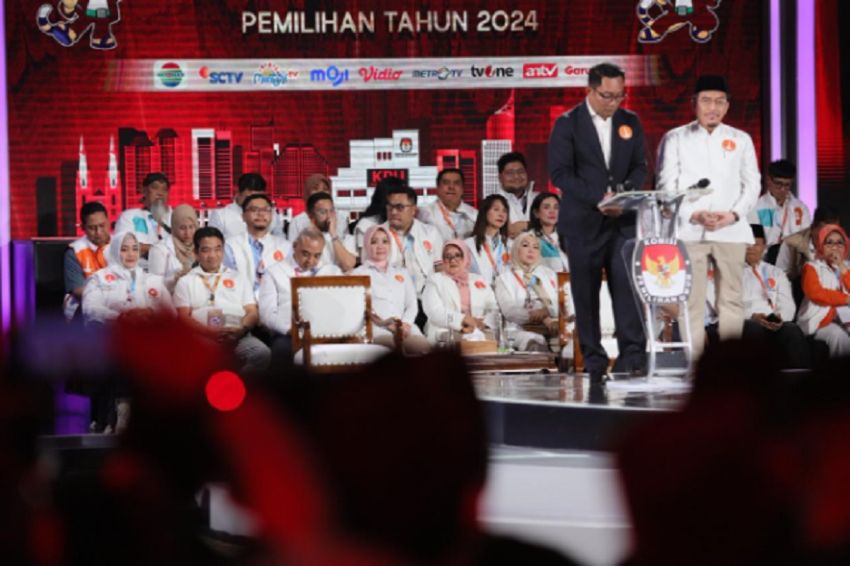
102, 92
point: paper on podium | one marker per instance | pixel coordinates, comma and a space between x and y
629, 200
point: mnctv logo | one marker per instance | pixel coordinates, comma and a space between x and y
491, 72
540, 70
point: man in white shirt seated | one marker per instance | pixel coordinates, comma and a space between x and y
152, 222
415, 245
229, 219
452, 217
316, 183
778, 210
256, 250
513, 177
769, 307
219, 304
275, 296
338, 250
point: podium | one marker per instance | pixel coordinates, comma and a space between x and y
659, 269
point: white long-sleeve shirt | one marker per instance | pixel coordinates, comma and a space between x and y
727, 158
450, 225
111, 291
162, 260
275, 295
766, 291
275, 250
441, 303
511, 293
493, 259
417, 251
780, 221
393, 296
140, 222
229, 220
519, 209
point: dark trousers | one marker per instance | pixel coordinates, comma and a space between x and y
587, 259
789, 343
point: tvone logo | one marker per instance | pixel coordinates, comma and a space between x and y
333, 74
491, 72
220, 77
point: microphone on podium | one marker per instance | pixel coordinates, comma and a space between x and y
701, 184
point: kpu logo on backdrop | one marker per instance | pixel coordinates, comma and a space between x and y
491, 72
332, 74
443, 73
220, 77
540, 70
169, 74
270, 74
73, 22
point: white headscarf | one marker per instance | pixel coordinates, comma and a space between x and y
113, 257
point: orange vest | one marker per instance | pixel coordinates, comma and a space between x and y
90, 259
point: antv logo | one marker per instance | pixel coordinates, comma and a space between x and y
374, 74
490, 71
540, 70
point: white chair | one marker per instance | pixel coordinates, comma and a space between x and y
331, 325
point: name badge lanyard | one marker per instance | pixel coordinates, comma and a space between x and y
764, 289
211, 288
447, 218
529, 302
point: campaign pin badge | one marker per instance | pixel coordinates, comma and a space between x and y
625, 132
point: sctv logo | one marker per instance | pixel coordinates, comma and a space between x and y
333, 74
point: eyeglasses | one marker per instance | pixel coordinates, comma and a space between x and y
781, 184
258, 210
833, 243
452, 257
397, 207
514, 172
610, 96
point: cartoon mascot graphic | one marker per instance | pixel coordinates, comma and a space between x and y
662, 17
74, 22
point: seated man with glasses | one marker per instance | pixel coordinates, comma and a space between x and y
414, 245
778, 210
516, 189
257, 249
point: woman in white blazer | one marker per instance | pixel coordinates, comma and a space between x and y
173, 256
457, 301
489, 245
543, 221
527, 295
393, 294
123, 288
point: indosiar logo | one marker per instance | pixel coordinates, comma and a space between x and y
169, 74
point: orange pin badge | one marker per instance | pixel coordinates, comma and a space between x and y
625, 132
480, 284
228, 283
278, 255
729, 145
399, 277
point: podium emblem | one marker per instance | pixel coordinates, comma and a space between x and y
661, 271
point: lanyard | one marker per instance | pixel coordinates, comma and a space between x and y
401, 248
132, 288
447, 218
784, 218
763, 287
529, 302
212, 288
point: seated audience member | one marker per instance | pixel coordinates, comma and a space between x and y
452, 217
769, 307
275, 296
219, 303
457, 301
778, 210
229, 218
826, 285
414, 245
544, 223
152, 222
85, 255
799, 248
393, 294
174, 256
123, 288
338, 250
489, 244
376, 212
257, 249
316, 183
527, 295
516, 189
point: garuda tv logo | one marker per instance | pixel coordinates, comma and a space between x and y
71, 21
660, 18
